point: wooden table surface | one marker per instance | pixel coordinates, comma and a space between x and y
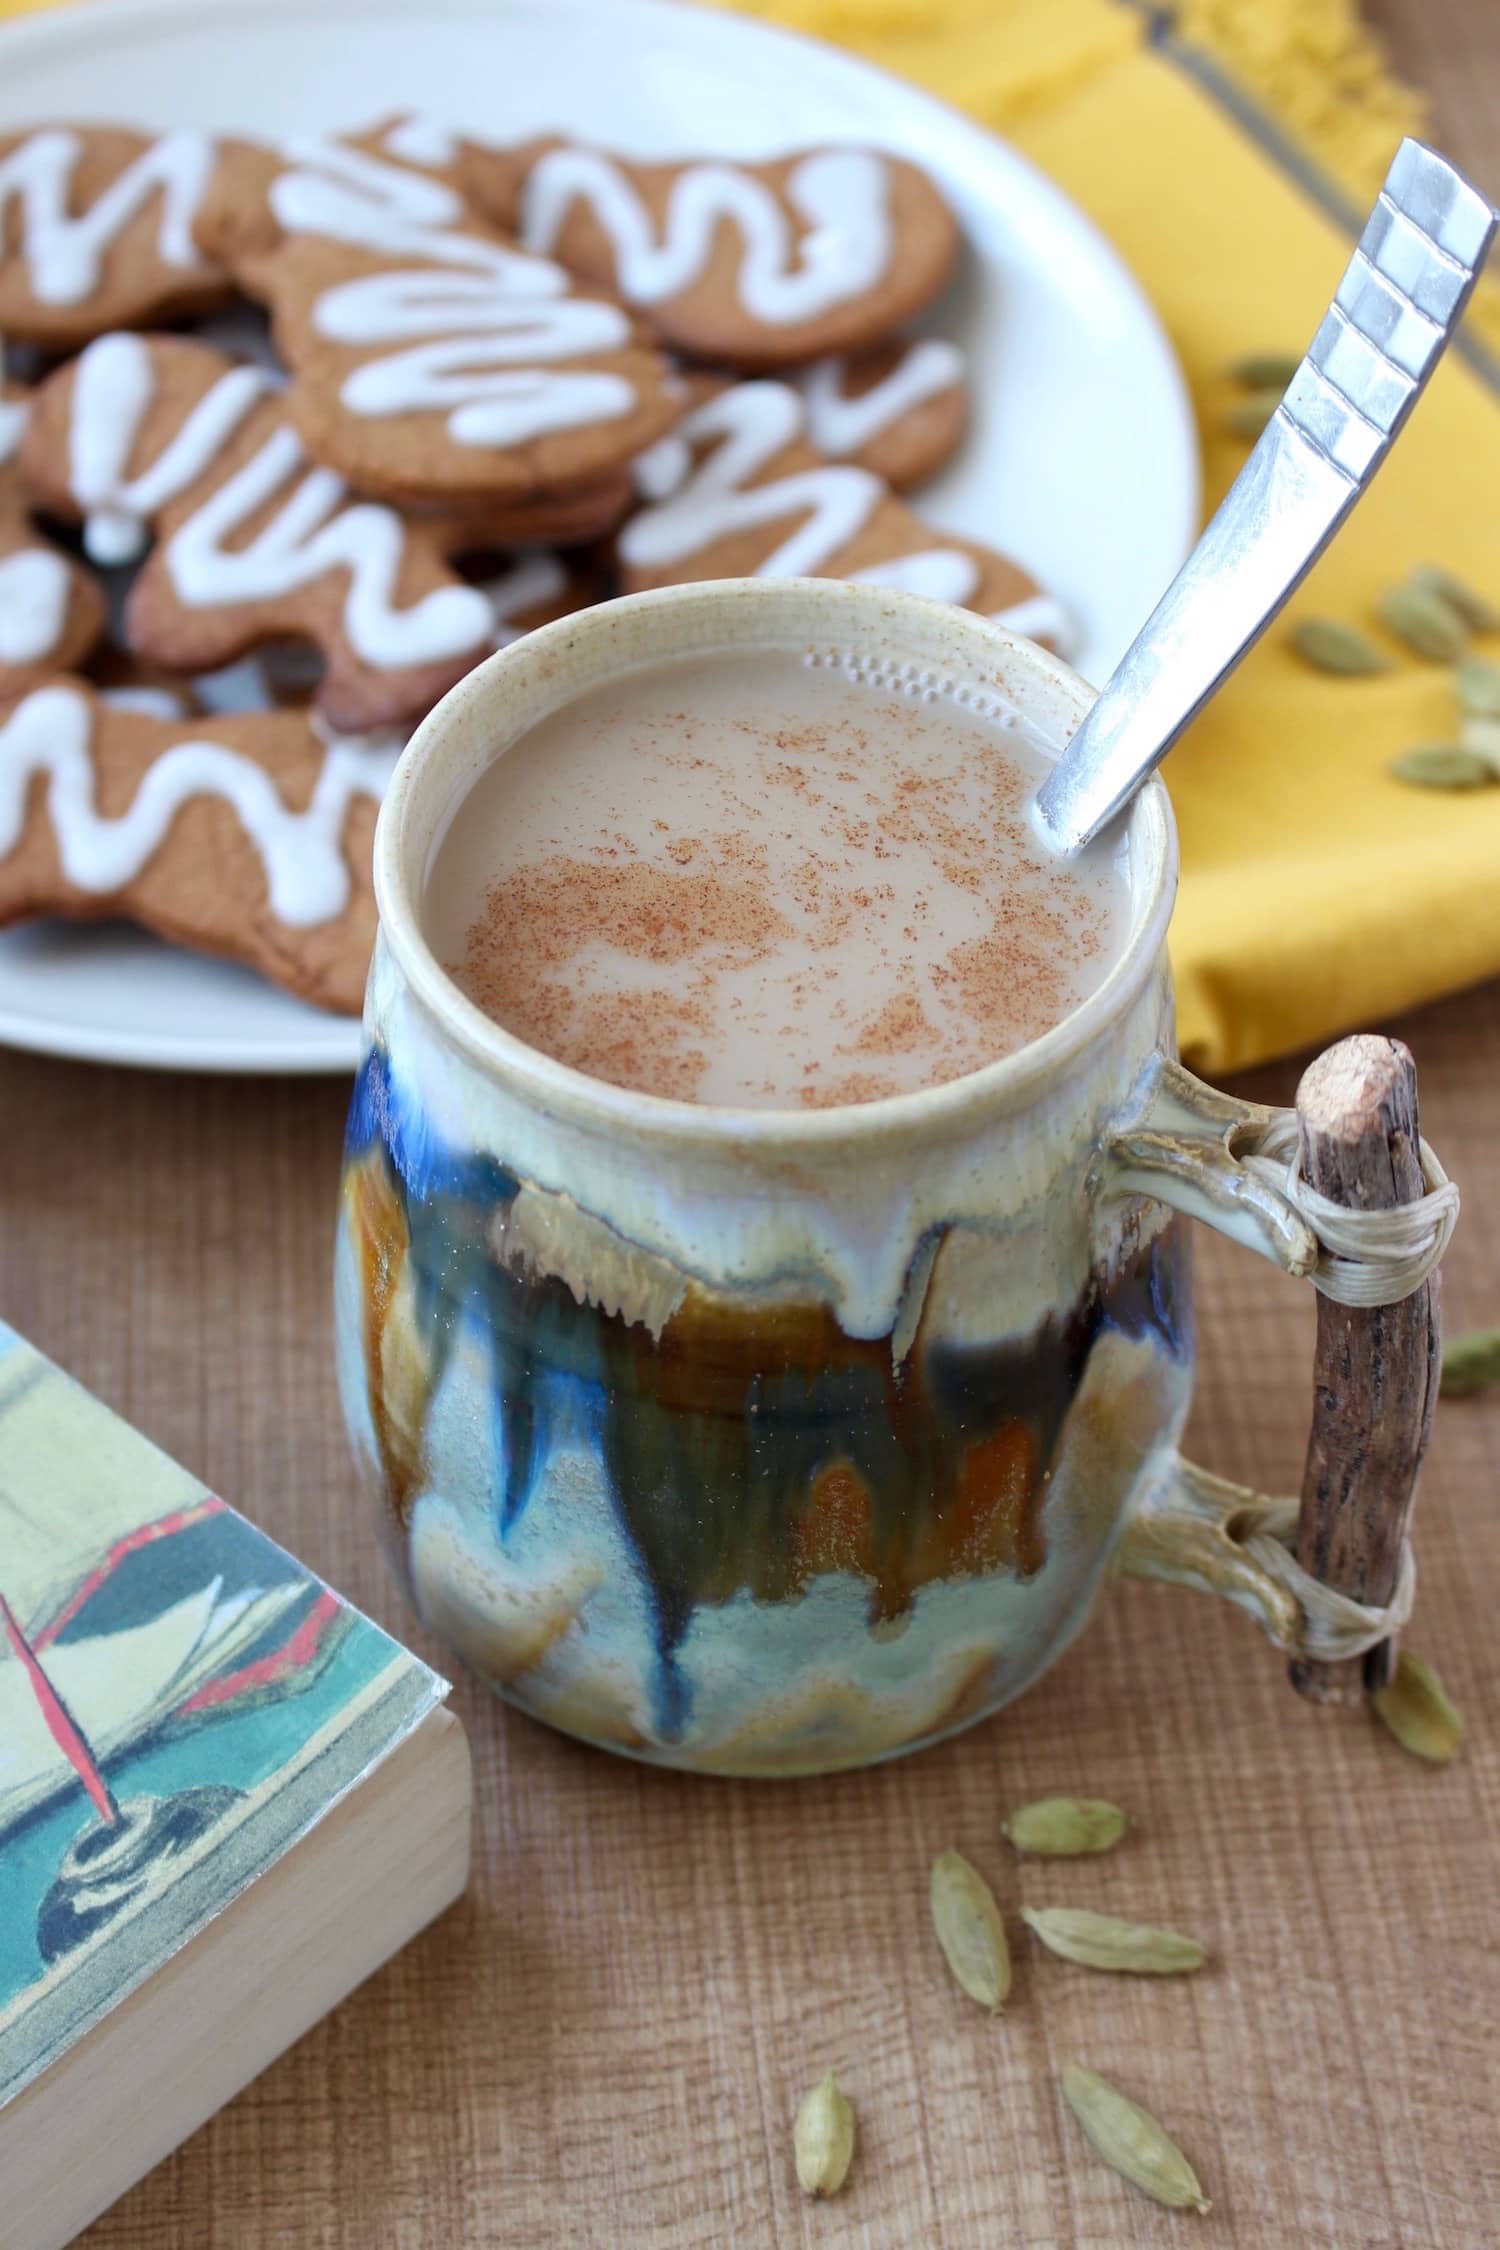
605, 2043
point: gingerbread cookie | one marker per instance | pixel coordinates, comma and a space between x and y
96, 230
366, 189
900, 408
748, 265
561, 519
51, 611
246, 837
351, 191
449, 383
738, 491
433, 361
253, 542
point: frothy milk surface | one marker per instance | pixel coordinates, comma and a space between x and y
755, 879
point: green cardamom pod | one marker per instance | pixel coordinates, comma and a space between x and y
823, 2138
1479, 615
1482, 737
1471, 1363
1428, 625
1099, 1941
1417, 1712
1479, 687
1064, 1827
1249, 415
1265, 371
1443, 765
969, 1929
1330, 647
1131, 2142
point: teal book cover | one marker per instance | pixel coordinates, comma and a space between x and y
180, 1701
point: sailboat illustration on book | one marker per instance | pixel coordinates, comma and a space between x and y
115, 1859
156, 1637
173, 1624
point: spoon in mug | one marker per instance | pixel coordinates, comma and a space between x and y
1396, 307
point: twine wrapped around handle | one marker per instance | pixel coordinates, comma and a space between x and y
1369, 1257
1333, 1628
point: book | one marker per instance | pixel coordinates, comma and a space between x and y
225, 1798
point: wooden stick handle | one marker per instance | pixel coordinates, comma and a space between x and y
1376, 1369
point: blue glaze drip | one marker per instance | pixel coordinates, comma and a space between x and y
1171, 1310
430, 1170
547, 1379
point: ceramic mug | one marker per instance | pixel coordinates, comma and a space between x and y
769, 1442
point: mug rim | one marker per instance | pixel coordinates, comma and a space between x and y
403, 855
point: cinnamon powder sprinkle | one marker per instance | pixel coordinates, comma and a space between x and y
811, 917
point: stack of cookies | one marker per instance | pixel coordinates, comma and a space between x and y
292, 435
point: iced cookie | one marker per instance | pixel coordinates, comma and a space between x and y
96, 230
51, 610
450, 383
899, 408
246, 837
433, 361
569, 518
748, 265
738, 491
254, 543
367, 189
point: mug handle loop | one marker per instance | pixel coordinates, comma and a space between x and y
1341, 1191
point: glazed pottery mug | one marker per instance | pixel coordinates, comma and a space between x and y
773, 1441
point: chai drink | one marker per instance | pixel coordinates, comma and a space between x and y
769, 878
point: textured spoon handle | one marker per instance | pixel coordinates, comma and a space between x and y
1398, 303
1394, 310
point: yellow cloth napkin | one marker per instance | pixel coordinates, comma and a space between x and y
1317, 893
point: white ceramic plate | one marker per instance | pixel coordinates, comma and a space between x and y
1082, 461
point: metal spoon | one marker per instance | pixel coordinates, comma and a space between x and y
1396, 307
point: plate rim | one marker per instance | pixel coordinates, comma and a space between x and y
253, 1055
61, 28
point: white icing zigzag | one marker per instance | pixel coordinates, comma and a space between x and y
843, 251
315, 530
490, 311
482, 329
839, 424
113, 390
65, 255
34, 589
753, 422
344, 195
50, 733
692, 507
